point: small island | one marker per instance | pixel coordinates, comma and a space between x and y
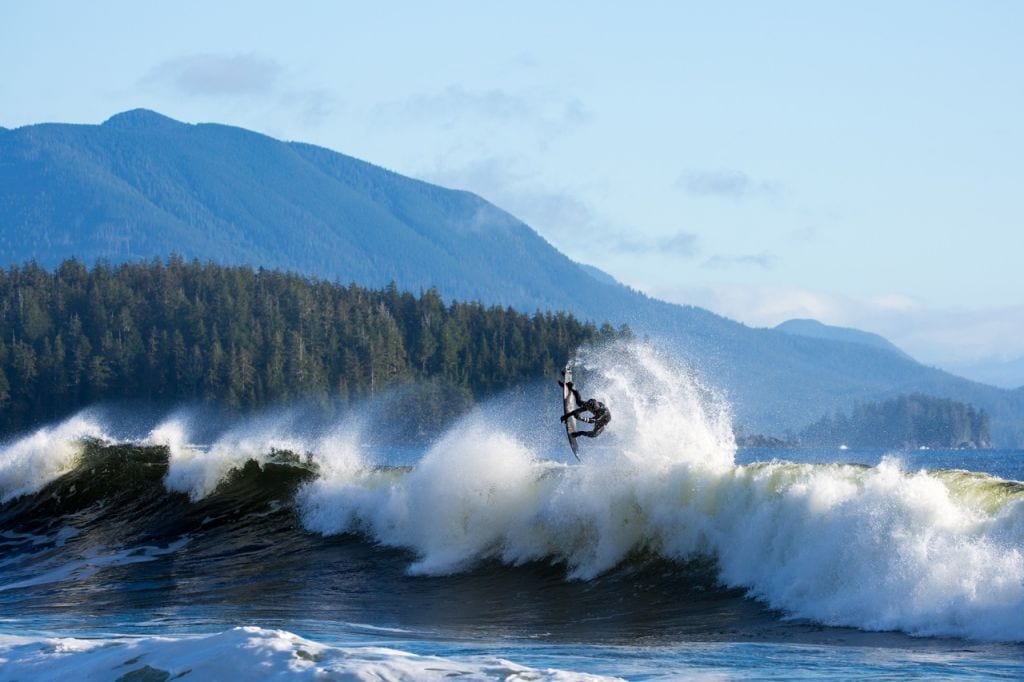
907, 422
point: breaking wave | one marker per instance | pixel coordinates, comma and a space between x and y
876, 548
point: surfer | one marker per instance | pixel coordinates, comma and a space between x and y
599, 413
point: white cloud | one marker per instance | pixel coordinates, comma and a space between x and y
546, 113
681, 244
763, 260
252, 90
730, 184
557, 213
215, 75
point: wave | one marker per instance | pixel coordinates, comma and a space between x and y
29, 463
876, 548
245, 653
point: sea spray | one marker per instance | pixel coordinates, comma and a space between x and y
481, 493
339, 452
875, 548
663, 413
198, 471
32, 461
450, 507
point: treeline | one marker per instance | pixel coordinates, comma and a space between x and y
244, 338
909, 421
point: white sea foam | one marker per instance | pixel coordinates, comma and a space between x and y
29, 463
874, 548
248, 653
199, 470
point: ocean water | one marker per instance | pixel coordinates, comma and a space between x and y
156, 548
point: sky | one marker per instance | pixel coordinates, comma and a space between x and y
858, 163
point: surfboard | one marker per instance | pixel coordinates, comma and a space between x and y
568, 405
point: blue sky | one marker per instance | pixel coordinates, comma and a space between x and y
861, 163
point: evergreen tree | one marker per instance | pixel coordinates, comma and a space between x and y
246, 338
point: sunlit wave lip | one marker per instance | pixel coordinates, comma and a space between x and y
30, 462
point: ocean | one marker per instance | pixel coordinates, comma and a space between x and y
141, 547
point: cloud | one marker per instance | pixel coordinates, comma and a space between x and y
557, 213
571, 223
214, 75
524, 60
809, 233
763, 260
256, 86
314, 106
730, 184
547, 113
682, 244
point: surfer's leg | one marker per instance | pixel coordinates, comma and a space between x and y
575, 394
590, 434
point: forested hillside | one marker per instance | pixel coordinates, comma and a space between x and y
244, 338
909, 421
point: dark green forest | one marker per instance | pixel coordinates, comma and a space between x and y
908, 421
240, 338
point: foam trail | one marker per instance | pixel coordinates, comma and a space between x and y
874, 548
29, 463
246, 653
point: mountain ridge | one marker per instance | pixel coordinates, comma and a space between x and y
816, 329
142, 185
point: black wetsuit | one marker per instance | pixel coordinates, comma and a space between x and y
600, 415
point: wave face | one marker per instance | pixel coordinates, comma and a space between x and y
875, 548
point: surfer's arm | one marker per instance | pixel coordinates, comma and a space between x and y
576, 414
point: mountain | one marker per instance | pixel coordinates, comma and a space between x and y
995, 371
819, 330
598, 274
142, 185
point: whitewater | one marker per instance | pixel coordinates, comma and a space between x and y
665, 535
